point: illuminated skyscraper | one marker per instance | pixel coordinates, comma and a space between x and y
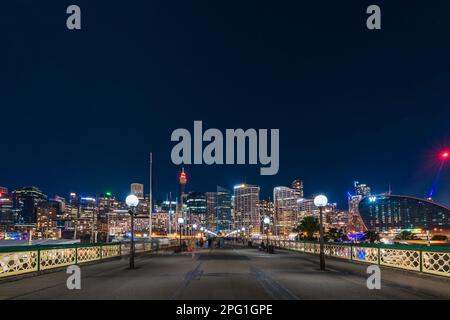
306, 208
286, 209
196, 208
47, 215
26, 200
246, 211
297, 186
223, 210
266, 209
6, 210
211, 202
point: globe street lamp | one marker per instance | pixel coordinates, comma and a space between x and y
132, 201
266, 222
180, 222
321, 201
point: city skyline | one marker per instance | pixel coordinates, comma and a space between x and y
266, 191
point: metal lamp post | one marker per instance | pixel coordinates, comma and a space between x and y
266, 222
132, 201
180, 222
321, 201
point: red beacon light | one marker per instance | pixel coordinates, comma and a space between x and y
445, 155
182, 177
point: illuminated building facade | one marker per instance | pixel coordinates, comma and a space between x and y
211, 210
286, 207
306, 207
86, 220
47, 217
266, 209
224, 220
297, 186
7, 216
196, 208
26, 200
384, 212
246, 207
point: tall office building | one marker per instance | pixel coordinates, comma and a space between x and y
87, 217
219, 210
47, 217
26, 200
297, 186
246, 211
211, 210
224, 220
169, 207
138, 190
286, 209
3, 190
107, 203
266, 209
6, 210
196, 208
306, 208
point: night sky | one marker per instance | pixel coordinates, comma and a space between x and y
81, 110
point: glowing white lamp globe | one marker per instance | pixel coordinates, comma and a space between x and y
266, 220
320, 201
180, 220
194, 226
243, 229
201, 229
132, 201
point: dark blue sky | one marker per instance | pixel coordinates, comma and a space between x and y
81, 110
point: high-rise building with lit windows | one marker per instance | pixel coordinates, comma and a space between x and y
47, 217
223, 210
297, 186
246, 207
196, 208
286, 209
26, 200
211, 200
266, 209
6, 210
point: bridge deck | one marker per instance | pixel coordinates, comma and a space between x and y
228, 274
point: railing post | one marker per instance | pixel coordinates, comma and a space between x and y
76, 254
421, 260
101, 253
379, 255
39, 260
